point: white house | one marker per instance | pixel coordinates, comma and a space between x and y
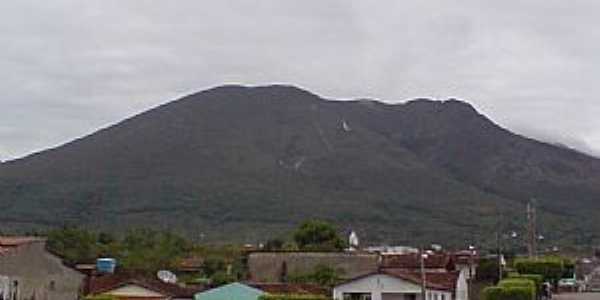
389, 284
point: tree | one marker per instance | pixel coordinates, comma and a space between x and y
149, 250
318, 235
74, 245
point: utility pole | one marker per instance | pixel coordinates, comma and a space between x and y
499, 253
423, 256
531, 229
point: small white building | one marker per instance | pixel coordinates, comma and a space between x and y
401, 285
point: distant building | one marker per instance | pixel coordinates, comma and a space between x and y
387, 250
28, 271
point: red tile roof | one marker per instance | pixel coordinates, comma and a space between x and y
102, 284
290, 288
413, 261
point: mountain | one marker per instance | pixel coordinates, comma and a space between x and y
237, 163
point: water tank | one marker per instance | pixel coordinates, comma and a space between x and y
106, 265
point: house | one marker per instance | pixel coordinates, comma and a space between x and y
232, 291
136, 287
398, 284
29, 271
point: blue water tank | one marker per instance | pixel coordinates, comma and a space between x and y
106, 265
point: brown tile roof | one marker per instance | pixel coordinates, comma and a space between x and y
465, 257
290, 288
193, 263
413, 261
102, 284
9, 244
434, 280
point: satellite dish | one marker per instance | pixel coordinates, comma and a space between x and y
166, 276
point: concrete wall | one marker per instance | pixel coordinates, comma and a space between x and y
385, 287
267, 266
40, 274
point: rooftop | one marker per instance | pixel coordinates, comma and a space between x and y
102, 284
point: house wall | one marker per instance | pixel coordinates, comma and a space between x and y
268, 266
40, 274
134, 291
385, 287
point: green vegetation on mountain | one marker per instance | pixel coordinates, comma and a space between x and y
248, 164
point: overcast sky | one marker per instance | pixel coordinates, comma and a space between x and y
68, 68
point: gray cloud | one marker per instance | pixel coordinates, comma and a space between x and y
70, 67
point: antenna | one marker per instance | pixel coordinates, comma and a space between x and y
531, 229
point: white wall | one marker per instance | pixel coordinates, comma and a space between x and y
462, 287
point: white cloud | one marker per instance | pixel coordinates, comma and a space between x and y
70, 67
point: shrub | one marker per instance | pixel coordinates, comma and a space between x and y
536, 278
508, 293
292, 297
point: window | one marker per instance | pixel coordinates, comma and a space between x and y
357, 296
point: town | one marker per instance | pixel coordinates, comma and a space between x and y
316, 263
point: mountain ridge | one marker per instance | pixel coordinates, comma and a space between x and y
250, 162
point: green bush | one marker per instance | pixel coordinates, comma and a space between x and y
536, 278
292, 297
517, 282
551, 269
508, 293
